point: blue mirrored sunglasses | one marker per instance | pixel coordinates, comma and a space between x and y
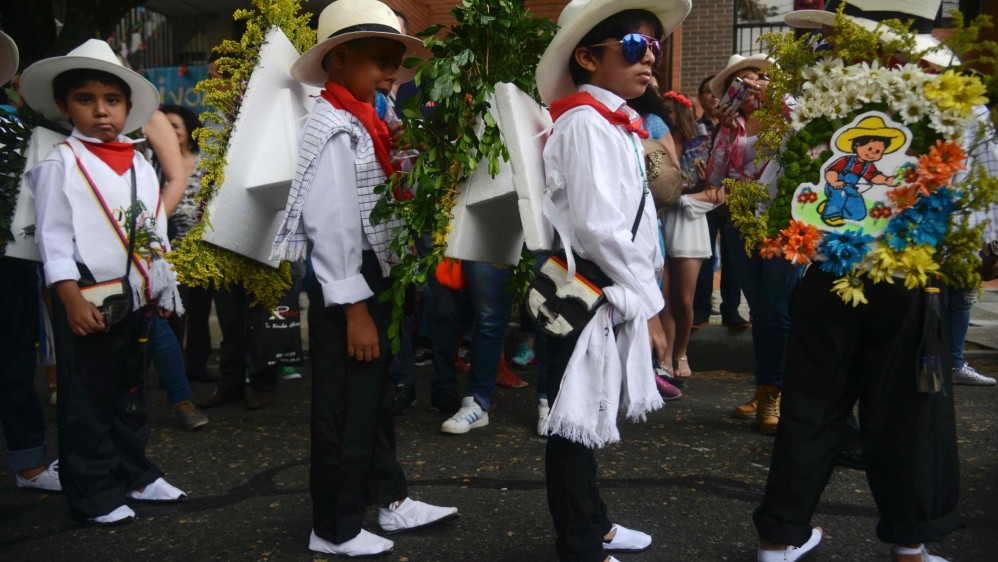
634, 46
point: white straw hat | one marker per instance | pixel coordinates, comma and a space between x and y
36, 82
939, 55
577, 19
8, 58
346, 20
736, 63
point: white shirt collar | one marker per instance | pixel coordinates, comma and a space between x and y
121, 138
611, 100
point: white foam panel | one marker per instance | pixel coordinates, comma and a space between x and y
24, 245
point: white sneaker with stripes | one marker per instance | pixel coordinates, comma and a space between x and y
469, 417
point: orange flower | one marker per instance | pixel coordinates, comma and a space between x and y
800, 241
769, 249
926, 186
941, 163
904, 196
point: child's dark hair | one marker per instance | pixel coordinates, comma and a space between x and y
190, 119
613, 27
79, 77
867, 139
649, 102
705, 85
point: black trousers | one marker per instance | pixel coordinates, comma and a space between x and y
578, 511
20, 410
102, 412
232, 307
353, 461
839, 354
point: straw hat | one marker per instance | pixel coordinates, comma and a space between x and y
8, 58
939, 55
346, 20
736, 63
871, 127
577, 19
36, 83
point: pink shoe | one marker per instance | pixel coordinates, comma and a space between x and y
666, 389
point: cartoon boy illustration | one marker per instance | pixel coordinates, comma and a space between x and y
864, 144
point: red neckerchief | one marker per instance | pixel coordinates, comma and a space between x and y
341, 98
117, 155
619, 117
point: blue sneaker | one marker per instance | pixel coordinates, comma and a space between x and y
524, 356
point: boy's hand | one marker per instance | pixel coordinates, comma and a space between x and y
83, 318
656, 336
362, 334
164, 313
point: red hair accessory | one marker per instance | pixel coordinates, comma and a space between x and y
678, 98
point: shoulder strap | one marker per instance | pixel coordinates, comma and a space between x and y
637, 218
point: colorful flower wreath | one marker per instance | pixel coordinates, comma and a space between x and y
678, 98
853, 211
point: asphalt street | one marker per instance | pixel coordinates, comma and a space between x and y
690, 476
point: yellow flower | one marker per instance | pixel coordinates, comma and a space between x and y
916, 263
951, 90
882, 264
850, 289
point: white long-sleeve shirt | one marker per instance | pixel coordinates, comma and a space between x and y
594, 179
332, 220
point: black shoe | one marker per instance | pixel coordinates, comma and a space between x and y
423, 357
222, 397
851, 458
735, 322
260, 399
446, 402
405, 398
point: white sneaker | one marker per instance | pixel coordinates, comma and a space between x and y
121, 514
47, 481
925, 556
627, 540
363, 545
159, 491
792, 553
543, 411
967, 375
409, 515
469, 417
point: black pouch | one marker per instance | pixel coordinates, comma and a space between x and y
112, 298
560, 306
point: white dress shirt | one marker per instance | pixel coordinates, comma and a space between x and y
595, 181
332, 221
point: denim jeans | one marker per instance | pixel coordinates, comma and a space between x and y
491, 306
731, 296
20, 409
767, 284
169, 363
958, 303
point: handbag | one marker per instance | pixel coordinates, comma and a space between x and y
989, 261
113, 298
561, 306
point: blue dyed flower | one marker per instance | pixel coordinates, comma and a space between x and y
844, 250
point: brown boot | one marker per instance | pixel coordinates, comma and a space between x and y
747, 410
767, 413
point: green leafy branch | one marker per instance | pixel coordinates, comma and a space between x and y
492, 42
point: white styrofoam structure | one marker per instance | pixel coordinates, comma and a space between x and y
24, 245
493, 217
260, 162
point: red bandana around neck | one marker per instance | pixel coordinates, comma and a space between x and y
341, 98
117, 155
619, 117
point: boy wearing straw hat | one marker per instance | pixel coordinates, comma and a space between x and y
99, 224
603, 54
343, 155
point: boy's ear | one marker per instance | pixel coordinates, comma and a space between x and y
336, 58
586, 58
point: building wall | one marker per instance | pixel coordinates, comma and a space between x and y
706, 42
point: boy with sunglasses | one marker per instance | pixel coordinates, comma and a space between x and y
603, 54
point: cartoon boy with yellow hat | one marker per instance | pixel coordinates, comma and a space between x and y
864, 144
